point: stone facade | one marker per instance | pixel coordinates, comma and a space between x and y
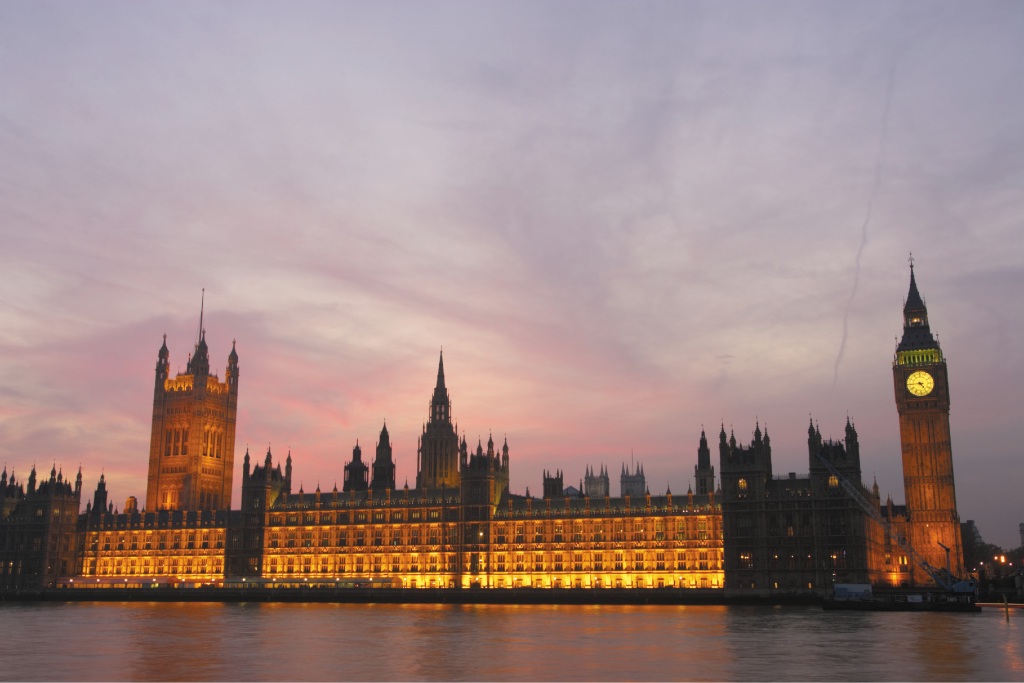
192, 444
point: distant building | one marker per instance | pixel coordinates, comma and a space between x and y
970, 533
632, 483
596, 485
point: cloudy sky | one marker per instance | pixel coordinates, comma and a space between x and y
621, 221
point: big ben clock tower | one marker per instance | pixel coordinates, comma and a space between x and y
922, 401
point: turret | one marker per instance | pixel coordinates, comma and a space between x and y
383, 463
553, 484
231, 375
99, 504
355, 472
704, 471
162, 366
852, 444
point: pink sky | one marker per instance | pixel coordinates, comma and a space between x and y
622, 222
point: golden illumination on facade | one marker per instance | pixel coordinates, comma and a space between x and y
564, 543
186, 548
192, 440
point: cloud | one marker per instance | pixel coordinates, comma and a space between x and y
621, 223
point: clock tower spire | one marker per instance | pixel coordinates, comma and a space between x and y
921, 383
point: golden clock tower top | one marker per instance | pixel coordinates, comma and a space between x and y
918, 346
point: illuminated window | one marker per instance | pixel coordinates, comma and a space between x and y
833, 481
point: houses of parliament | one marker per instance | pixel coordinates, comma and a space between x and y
461, 527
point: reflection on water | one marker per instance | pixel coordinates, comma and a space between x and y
192, 641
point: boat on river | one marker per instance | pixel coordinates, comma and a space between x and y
861, 598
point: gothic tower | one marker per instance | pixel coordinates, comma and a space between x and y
438, 457
356, 472
383, 464
596, 485
704, 471
192, 445
922, 401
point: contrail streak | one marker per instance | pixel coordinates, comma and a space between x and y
879, 155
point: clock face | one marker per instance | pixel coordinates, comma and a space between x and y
920, 383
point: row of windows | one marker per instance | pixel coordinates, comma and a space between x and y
152, 541
359, 517
154, 566
701, 528
436, 535
498, 562
176, 442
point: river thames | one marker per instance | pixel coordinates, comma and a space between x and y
320, 642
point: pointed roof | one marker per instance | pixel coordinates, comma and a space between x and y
914, 301
916, 333
440, 371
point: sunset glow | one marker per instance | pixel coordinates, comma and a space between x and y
622, 222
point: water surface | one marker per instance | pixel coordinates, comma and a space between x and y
319, 642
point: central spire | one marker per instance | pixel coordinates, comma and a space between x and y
440, 371
440, 405
201, 334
